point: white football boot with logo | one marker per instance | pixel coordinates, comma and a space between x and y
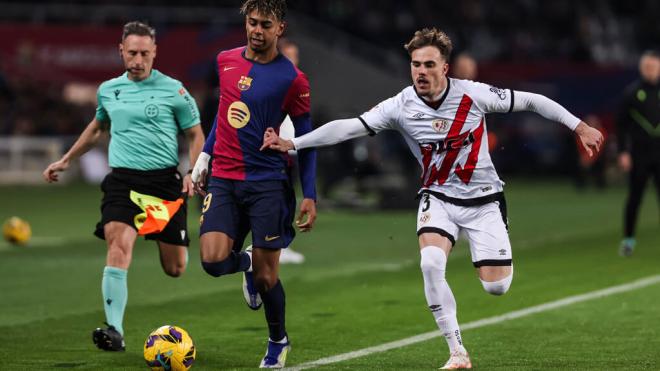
458, 360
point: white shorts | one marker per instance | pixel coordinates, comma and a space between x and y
484, 225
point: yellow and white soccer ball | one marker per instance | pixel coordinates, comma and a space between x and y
16, 230
169, 348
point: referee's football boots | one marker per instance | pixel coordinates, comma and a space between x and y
108, 339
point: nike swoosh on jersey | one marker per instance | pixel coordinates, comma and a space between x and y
269, 238
226, 68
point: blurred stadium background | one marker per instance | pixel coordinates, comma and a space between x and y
53, 55
582, 54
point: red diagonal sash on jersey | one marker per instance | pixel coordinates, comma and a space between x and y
441, 175
465, 173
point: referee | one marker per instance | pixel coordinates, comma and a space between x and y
144, 111
638, 126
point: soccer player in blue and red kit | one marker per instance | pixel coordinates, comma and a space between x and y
249, 189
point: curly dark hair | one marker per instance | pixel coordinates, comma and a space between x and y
138, 28
430, 37
274, 7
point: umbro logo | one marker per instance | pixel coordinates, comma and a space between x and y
502, 252
435, 308
418, 116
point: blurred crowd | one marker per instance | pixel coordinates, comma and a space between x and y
31, 106
592, 32
603, 31
600, 31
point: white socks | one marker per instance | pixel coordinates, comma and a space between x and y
439, 296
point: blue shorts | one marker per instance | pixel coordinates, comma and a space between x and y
236, 207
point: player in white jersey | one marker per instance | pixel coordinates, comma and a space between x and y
443, 122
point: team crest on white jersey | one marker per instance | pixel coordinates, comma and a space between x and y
440, 125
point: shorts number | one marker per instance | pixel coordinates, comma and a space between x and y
427, 203
207, 202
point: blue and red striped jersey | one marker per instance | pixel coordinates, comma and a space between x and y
253, 97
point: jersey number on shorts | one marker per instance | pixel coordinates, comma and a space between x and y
207, 202
426, 202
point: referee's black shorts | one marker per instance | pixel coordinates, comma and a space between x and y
117, 205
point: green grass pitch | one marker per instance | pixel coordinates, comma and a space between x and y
360, 287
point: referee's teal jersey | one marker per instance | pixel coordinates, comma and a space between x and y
145, 118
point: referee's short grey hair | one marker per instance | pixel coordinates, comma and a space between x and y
138, 28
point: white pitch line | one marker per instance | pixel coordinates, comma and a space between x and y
643, 282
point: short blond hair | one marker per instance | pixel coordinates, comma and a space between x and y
430, 37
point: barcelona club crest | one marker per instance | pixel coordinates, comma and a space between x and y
244, 83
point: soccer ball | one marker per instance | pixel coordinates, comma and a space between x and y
169, 348
16, 230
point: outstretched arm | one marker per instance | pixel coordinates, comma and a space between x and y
84, 143
331, 133
590, 138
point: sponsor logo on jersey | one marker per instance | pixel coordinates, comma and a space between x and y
238, 114
151, 110
244, 83
303, 95
500, 92
440, 125
425, 218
